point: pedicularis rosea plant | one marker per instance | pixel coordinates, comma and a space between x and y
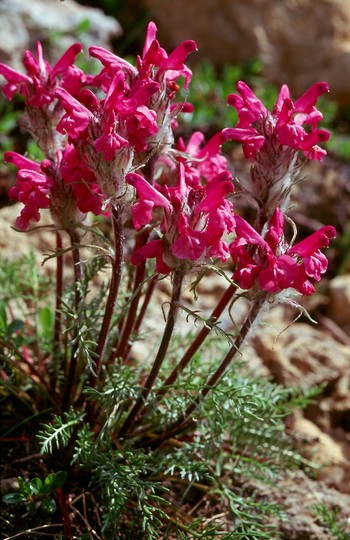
111, 151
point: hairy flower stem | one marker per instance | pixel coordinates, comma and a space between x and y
163, 347
197, 342
117, 261
59, 291
130, 320
140, 317
186, 419
121, 344
70, 383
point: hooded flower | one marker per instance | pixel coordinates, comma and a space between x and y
82, 181
272, 263
39, 83
154, 63
32, 189
272, 142
202, 161
67, 187
192, 220
150, 88
285, 125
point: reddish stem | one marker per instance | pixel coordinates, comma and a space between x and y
63, 501
113, 290
185, 419
193, 348
140, 317
121, 343
71, 383
163, 347
59, 292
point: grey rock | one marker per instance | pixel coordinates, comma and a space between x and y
24, 22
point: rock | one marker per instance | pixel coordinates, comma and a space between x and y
23, 23
320, 447
332, 413
298, 495
339, 306
15, 244
298, 42
330, 454
301, 355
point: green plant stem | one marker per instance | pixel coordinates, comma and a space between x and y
185, 419
163, 347
117, 261
197, 342
70, 383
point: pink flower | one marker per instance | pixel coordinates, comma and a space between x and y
285, 125
274, 265
32, 189
154, 63
152, 250
171, 67
77, 117
148, 90
118, 120
39, 84
192, 220
81, 180
66, 187
202, 161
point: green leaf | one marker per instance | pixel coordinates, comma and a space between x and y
54, 481
34, 151
46, 318
14, 498
23, 487
48, 505
83, 26
60, 478
35, 486
3, 315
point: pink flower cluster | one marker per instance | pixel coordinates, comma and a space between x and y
99, 136
181, 192
284, 126
271, 263
131, 117
58, 186
192, 219
39, 83
32, 189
